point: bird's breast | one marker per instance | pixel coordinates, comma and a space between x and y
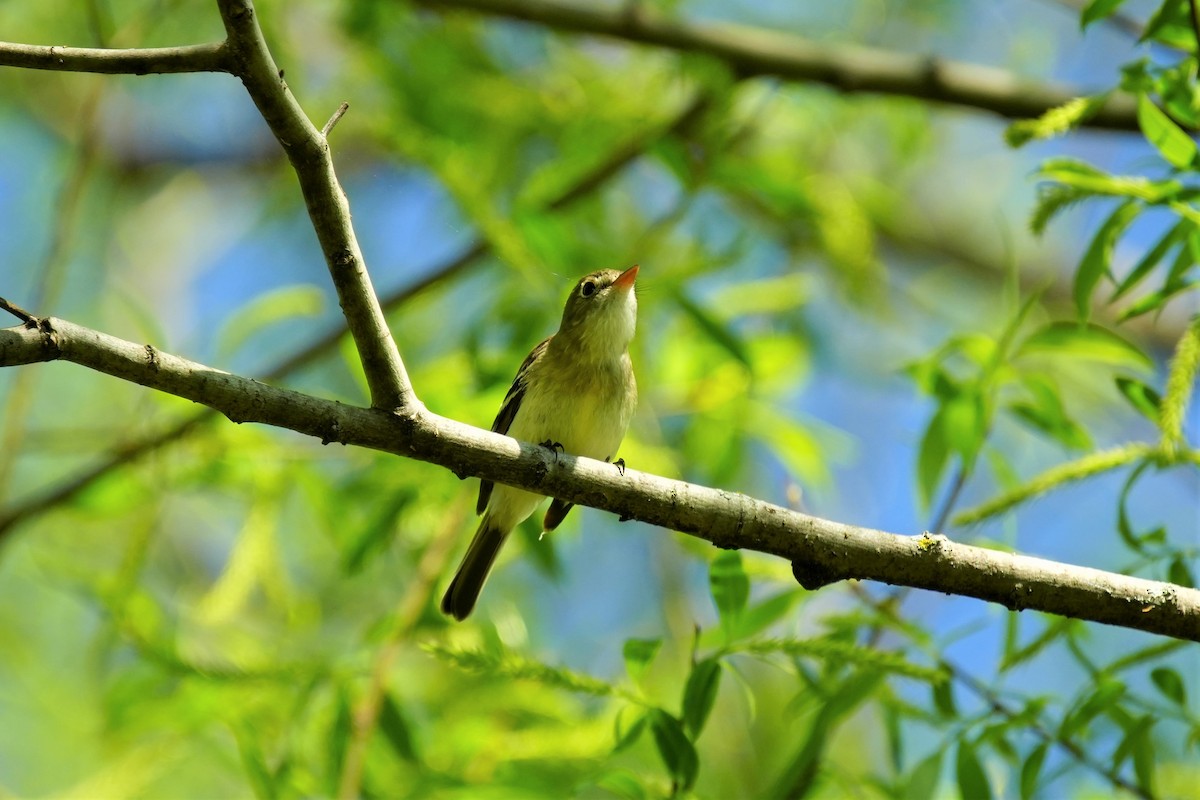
585, 407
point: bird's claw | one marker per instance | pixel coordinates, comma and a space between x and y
620, 465
554, 447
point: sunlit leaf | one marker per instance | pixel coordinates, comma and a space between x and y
1091, 342
1171, 25
268, 309
624, 736
923, 781
699, 694
1142, 397
1097, 10
1152, 257
1031, 771
639, 653
932, 456
729, 586
972, 781
1097, 260
398, 730
1176, 147
713, 327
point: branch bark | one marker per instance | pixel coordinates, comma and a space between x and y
848, 68
212, 57
821, 551
328, 209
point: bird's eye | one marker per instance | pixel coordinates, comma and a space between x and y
588, 289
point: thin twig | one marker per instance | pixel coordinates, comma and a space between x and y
849, 68
18, 312
211, 57
337, 116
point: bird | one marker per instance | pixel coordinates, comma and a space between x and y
574, 392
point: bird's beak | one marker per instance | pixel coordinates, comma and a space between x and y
625, 279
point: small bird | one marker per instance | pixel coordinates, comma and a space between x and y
575, 392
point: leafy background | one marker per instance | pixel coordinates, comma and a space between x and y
843, 309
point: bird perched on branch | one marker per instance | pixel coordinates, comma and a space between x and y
575, 392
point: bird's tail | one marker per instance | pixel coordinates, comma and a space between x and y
464, 590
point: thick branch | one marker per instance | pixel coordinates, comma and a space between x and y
821, 551
328, 208
141, 61
845, 67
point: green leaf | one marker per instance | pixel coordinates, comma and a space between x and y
1170, 684
1179, 573
1097, 259
943, 699
625, 737
1156, 300
1055, 629
972, 781
339, 737
762, 615
730, 588
267, 309
398, 730
1144, 758
1136, 542
715, 328
1107, 692
1045, 412
923, 781
375, 535
254, 764
931, 458
1155, 254
965, 425
1031, 770
699, 694
676, 750
622, 783
500, 663
1142, 397
1052, 199
639, 653
1083, 177
1176, 147
1091, 342
1098, 10
1171, 25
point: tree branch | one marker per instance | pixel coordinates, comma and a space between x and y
212, 57
328, 208
848, 68
129, 453
821, 551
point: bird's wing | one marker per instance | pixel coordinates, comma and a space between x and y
508, 411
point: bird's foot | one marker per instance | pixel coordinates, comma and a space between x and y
554, 447
620, 465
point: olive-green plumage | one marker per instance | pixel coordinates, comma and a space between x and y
576, 388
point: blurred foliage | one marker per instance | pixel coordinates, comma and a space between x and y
240, 612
